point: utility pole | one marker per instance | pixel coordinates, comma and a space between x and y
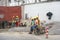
36, 1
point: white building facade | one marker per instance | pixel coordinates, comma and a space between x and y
42, 9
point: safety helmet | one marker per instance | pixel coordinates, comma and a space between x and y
16, 16
36, 16
13, 16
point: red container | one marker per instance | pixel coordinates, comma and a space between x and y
6, 13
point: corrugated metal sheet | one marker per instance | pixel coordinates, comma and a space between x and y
9, 12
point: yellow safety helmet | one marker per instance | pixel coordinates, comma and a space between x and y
16, 16
36, 16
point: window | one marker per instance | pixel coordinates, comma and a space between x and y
10, 1
26, 16
23, 1
50, 0
15, 0
57, 0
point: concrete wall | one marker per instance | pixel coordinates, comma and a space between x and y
43, 8
1, 2
4, 3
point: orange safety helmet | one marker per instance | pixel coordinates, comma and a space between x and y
13, 16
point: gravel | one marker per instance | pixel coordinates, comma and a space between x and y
55, 30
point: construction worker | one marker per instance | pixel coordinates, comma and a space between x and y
17, 21
37, 24
13, 17
33, 26
37, 21
12, 23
